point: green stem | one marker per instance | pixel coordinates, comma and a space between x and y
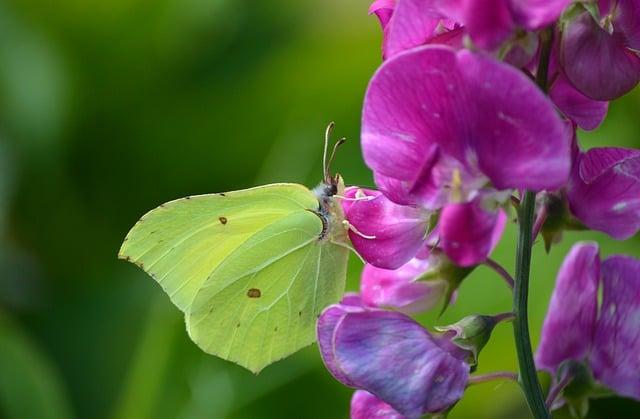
528, 377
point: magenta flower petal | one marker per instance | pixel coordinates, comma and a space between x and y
604, 191
393, 357
383, 9
535, 14
614, 358
385, 234
599, 64
468, 232
488, 22
399, 288
365, 405
569, 326
626, 23
412, 24
587, 113
469, 106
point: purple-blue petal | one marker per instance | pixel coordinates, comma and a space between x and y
325, 329
569, 326
604, 190
468, 232
614, 358
385, 234
365, 405
470, 107
393, 357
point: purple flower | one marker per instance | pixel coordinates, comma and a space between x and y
585, 112
600, 57
606, 339
392, 357
436, 119
568, 329
411, 23
491, 22
383, 9
468, 232
604, 190
402, 288
365, 405
385, 234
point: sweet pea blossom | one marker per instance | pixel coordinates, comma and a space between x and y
604, 190
388, 235
392, 357
402, 288
385, 234
469, 233
431, 146
605, 339
419, 115
600, 57
411, 23
584, 111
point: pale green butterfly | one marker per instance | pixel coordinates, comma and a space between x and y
250, 269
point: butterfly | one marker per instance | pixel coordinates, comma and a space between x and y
251, 269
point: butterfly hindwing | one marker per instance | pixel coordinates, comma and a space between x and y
262, 302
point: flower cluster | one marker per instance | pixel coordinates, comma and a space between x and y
474, 104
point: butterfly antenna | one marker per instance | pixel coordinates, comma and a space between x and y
327, 135
333, 152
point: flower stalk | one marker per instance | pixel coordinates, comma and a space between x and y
526, 211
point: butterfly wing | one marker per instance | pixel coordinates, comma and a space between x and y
248, 268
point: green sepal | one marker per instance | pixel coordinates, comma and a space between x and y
447, 271
581, 387
471, 334
559, 219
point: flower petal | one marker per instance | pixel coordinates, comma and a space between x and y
469, 106
488, 22
468, 232
395, 232
412, 24
569, 326
396, 359
596, 62
365, 405
582, 110
383, 9
400, 288
614, 358
604, 191
325, 329
535, 14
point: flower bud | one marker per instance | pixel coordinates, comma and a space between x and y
472, 333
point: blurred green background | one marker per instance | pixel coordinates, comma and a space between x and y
109, 108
